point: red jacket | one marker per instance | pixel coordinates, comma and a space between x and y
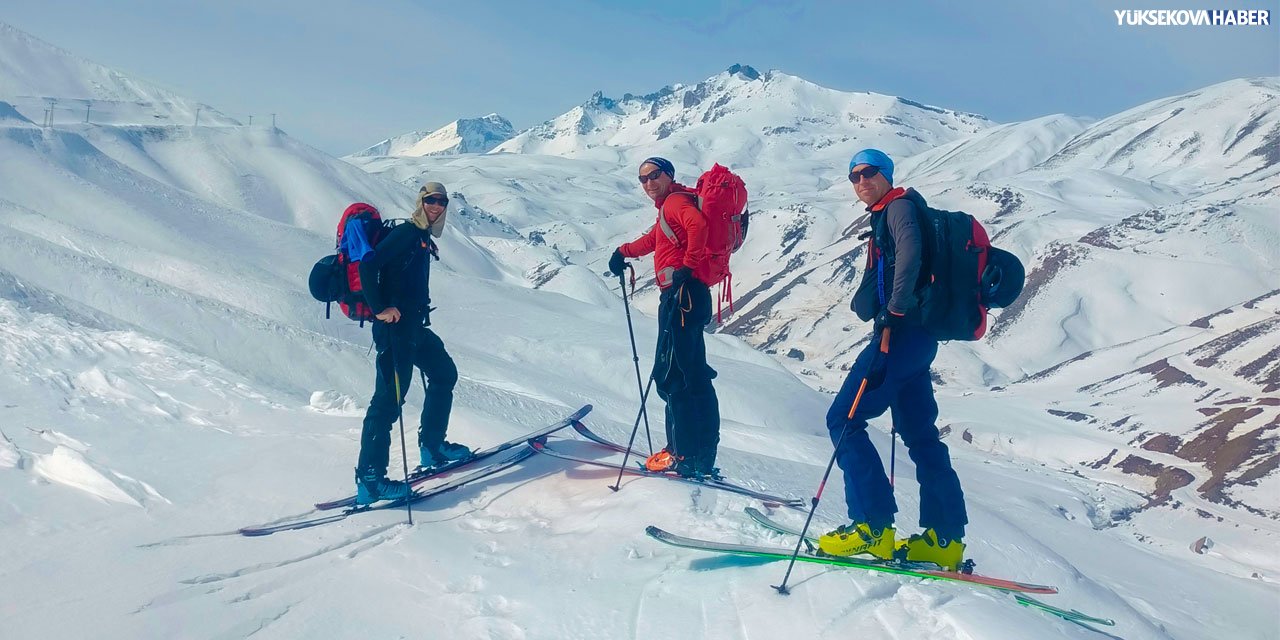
690, 246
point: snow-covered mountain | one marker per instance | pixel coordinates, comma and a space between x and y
468, 135
747, 117
33, 73
167, 380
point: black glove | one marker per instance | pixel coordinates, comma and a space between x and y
681, 276
617, 263
887, 319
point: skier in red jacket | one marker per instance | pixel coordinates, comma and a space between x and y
680, 370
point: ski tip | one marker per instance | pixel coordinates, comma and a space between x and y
254, 532
581, 413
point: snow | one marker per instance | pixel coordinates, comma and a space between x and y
33, 71
167, 380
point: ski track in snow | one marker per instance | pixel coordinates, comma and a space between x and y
362, 542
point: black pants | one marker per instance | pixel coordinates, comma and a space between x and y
682, 375
401, 347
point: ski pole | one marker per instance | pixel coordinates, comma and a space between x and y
404, 455
644, 396
635, 356
884, 349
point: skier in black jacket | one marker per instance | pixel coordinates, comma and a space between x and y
396, 279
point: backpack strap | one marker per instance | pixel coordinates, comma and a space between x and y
662, 216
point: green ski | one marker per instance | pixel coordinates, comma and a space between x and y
897, 568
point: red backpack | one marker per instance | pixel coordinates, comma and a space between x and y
336, 278
722, 198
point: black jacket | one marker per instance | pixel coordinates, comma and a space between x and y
398, 273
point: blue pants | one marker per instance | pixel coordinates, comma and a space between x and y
906, 391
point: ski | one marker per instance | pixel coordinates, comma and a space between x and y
596, 438
1071, 615
777, 527
794, 503
418, 496
1066, 614
896, 568
423, 474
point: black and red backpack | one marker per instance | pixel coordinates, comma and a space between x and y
336, 278
961, 278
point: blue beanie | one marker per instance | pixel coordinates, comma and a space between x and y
875, 158
662, 164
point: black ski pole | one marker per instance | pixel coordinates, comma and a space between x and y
884, 349
635, 356
404, 454
644, 396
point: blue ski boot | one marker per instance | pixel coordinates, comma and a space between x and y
372, 486
442, 454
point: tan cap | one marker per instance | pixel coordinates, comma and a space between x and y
433, 188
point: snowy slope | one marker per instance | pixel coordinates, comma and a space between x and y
33, 71
468, 135
168, 380
104, 425
1222, 133
256, 169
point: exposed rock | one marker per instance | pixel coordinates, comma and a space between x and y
1168, 479
1202, 545
1223, 454
1167, 375
1074, 416
1163, 443
1104, 461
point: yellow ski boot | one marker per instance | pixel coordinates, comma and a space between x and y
926, 547
854, 539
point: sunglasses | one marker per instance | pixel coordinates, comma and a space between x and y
440, 200
868, 173
652, 175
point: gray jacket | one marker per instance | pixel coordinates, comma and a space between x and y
897, 242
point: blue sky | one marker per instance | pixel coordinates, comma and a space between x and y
343, 74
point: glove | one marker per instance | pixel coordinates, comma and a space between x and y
887, 319
617, 263
681, 276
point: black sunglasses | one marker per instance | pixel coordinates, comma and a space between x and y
652, 175
440, 200
868, 173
